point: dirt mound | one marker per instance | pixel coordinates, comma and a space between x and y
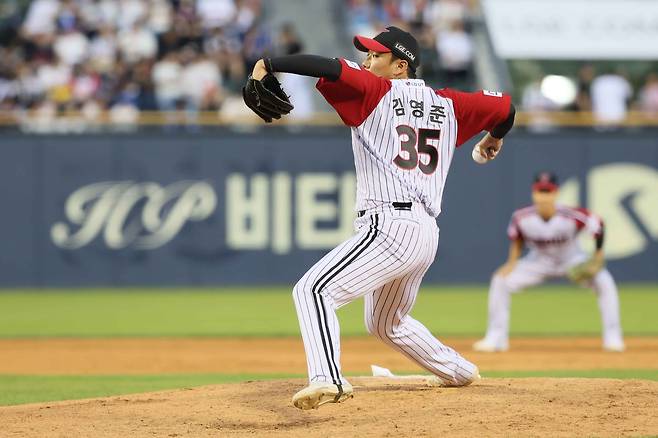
491, 407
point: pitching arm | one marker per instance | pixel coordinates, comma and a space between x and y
305, 65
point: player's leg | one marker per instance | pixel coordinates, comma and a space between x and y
526, 273
387, 317
606, 291
381, 251
395, 327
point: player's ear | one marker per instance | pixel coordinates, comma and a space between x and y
401, 66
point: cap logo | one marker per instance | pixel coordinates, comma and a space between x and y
404, 50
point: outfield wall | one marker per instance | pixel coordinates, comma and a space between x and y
220, 207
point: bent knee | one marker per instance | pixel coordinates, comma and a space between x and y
379, 329
301, 289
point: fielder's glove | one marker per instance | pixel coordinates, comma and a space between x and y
584, 272
266, 98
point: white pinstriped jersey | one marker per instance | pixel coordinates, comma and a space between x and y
556, 238
404, 133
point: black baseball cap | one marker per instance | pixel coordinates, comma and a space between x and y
545, 182
395, 40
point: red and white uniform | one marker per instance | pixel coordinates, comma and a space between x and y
553, 249
404, 135
554, 242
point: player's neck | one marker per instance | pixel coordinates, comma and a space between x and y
546, 213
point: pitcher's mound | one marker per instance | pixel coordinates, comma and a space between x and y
380, 407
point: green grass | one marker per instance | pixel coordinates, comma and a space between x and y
32, 389
447, 311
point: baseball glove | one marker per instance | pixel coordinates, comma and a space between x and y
266, 98
584, 272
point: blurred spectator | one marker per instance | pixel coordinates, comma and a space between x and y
583, 100
648, 96
85, 84
103, 49
215, 13
108, 13
298, 87
40, 18
200, 83
71, 46
611, 94
455, 49
54, 76
131, 13
67, 15
160, 16
442, 14
166, 77
28, 87
248, 12
137, 43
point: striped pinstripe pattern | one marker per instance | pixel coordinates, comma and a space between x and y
385, 263
376, 143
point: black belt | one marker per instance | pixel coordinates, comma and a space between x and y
396, 205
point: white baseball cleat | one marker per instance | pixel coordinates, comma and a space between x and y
318, 393
486, 346
615, 347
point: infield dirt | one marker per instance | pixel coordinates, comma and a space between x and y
546, 407
492, 407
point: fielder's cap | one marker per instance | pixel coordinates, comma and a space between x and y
395, 40
545, 182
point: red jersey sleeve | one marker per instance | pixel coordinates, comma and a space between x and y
355, 94
476, 112
585, 219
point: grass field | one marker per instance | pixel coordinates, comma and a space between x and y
108, 313
459, 311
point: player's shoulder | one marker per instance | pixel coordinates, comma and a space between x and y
447, 93
579, 213
524, 212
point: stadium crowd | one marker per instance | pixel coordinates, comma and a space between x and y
609, 94
128, 55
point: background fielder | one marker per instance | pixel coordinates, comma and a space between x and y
551, 233
404, 134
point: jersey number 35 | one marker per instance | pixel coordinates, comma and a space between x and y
415, 144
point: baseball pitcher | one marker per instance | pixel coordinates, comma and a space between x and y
550, 231
404, 135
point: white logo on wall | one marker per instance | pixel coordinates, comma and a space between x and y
625, 195
127, 213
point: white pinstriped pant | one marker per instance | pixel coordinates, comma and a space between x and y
385, 263
532, 270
